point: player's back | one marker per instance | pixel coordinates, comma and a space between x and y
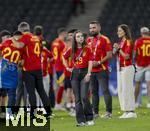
142, 46
58, 47
32, 52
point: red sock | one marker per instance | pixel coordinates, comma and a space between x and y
59, 94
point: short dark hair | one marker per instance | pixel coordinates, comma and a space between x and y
95, 22
72, 30
17, 33
60, 30
38, 30
24, 27
5, 33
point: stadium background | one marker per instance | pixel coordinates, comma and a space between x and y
52, 14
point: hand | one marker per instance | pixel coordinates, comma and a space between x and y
96, 63
17, 43
69, 69
116, 45
87, 77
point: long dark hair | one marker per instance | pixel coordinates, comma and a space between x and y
75, 45
127, 31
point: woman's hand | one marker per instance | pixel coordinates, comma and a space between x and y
116, 45
87, 77
96, 63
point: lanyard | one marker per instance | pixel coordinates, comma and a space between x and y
81, 52
95, 47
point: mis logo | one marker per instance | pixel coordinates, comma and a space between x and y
21, 117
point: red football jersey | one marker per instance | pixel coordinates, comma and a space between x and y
50, 67
126, 47
100, 45
46, 55
67, 53
83, 60
142, 48
58, 47
32, 53
10, 52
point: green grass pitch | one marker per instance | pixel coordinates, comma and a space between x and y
63, 122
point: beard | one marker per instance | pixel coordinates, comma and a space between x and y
94, 34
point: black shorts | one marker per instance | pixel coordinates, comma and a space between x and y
3, 92
67, 83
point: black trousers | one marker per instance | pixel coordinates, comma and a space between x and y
100, 79
81, 88
52, 93
34, 80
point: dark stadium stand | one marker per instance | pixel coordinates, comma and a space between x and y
135, 13
51, 14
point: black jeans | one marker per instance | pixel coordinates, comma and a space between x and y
100, 79
80, 88
52, 93
21, 91
34, 80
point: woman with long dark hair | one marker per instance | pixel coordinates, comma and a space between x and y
82, 58
125, 74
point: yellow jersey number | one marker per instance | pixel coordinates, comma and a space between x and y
80, 61
37, 49
14, 55
55, 52
146, 50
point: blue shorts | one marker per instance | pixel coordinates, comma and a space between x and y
60, 77
8, 75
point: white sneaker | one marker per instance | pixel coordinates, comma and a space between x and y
90, 123
131, 115
148, 105
59, 107
123, 115
72, 113
107, 115
80, 124
73, 104
68, 105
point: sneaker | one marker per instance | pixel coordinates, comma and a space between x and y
80, 124
73, 105
59, 107
148, 105
96, 116
90, 123
123, 115
72, 113
107, 115
51, 116
131, 115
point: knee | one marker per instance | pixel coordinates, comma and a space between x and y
84, 98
